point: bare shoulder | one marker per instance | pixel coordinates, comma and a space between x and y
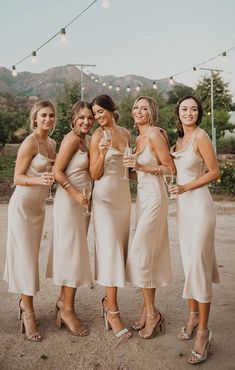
202, 136
156, 133
53, 142
69, 140
28, 146
97, 134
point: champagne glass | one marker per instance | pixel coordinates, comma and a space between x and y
49, 168
86, 191
127, 154
108, 136
170, 179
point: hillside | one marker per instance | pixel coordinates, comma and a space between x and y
49, 84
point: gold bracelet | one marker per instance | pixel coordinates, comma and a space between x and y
67, 186
65, 183
27, 181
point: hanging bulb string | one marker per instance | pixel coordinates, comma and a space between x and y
57, 33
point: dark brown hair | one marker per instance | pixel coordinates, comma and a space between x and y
106, 102
180, 131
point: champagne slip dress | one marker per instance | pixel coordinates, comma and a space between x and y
26, 213
111, 215
68, 261
196, 228
148, 262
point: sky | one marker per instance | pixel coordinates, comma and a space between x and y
149, 38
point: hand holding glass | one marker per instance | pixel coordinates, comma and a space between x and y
127, 154
86, 191
170, 179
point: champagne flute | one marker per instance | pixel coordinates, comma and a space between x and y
170, 179
49, 168
127, 154
86, 191
108, 137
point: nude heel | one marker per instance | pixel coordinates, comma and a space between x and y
162, 325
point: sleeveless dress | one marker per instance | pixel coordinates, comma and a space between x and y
26, 213
196, 228
111, 202
148, 262
68, 261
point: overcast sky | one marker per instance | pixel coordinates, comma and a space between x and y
150, 38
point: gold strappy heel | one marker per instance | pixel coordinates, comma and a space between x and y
159, 325
33, 337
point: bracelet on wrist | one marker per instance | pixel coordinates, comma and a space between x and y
67, 186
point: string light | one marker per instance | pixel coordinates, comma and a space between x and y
128, 88
118, 88
110, 87
171, 81
14, 71
34, 57
224, 56
62, 35
105, 4
154, 85
104, 84
92, 77
96, 80
138, 87
195, 70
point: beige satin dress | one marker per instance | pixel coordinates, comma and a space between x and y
196, 228
68, 261
26, 214
148, 262
111, 215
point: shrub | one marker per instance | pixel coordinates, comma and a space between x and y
226, 183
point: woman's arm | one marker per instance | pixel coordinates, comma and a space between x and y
98, 150
68, 148
205, 149
26, 153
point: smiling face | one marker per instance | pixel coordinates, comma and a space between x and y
84, 120
141, 112
45, 119
102, 116
188, 112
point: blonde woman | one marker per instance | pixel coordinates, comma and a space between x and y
71, 265
148, 261
26, 213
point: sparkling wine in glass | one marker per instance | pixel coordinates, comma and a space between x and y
86, 191
170, 179
49, 169
108, 137
127, 154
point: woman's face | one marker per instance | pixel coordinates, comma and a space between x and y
102, 116
45, 119
140, 112
188, 112
84, 121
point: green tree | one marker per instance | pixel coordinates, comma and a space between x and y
10, 120
64, 103
177, 92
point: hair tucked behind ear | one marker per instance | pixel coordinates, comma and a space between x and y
179, 126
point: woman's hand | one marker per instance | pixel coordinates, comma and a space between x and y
46, 179
81, 199
131, 162
177, 189
103, 145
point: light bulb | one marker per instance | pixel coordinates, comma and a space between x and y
128, 89
138, 87
34, 57
110, 87
62, 35
92, 77
194, 70
154, 85
105, 4
96, 80
224, 56
171, 81
14, 71
118, 88
104, 84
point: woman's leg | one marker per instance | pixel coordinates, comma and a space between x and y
153, 317
111, 306
29, 317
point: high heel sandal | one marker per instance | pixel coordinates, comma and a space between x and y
103, 306
58, 306
81, 332
159, 325
137, 325
198, 358
119, 334
34, 337
184, 335
21, 311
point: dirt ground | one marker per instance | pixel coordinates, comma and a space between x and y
101, 350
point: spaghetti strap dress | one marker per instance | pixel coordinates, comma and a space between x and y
196, 228
148, 262
26, 213
68, 261
111, 203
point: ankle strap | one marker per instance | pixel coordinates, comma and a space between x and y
27, 315
202, 331
113, 312
193, 312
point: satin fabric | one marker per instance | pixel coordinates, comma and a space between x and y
68, 261
196, 228
148, 262
111, 215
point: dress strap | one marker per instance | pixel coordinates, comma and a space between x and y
148, 134
36, 142
193, 137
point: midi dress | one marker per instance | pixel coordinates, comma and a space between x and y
111, 210
148, 262
196, 227
68, 261
26, 213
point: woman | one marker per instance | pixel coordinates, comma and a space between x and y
148, 261
71, 265
196, 166
26, 213
111, 208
